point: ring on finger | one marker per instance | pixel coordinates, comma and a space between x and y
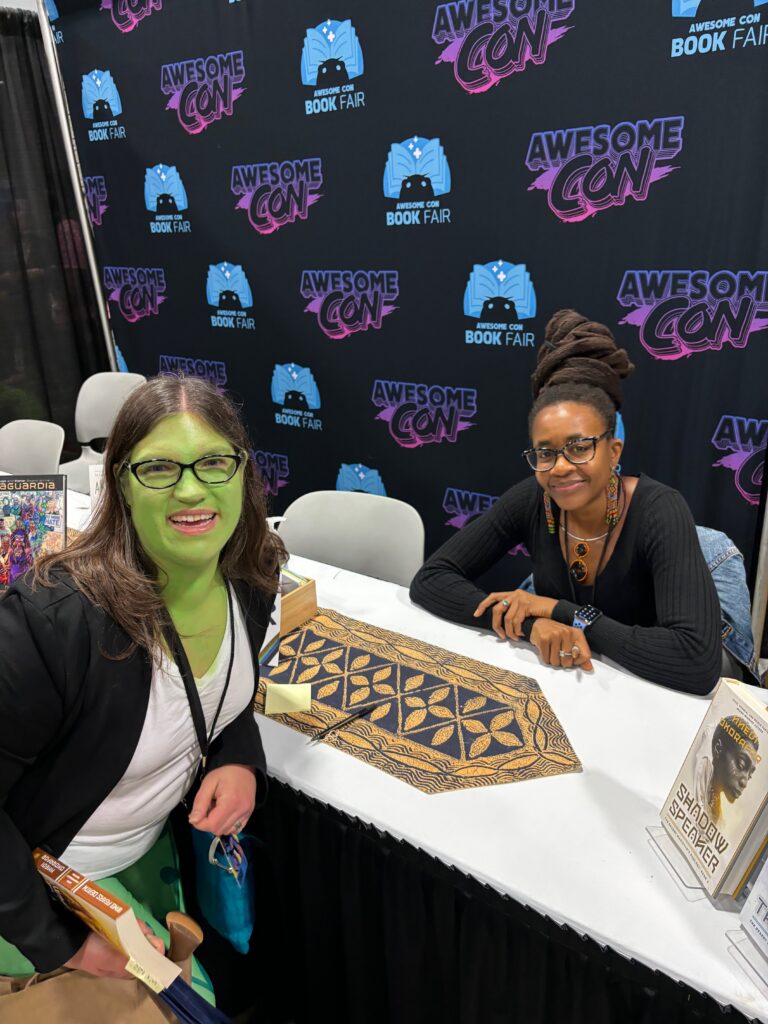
237, 827
504, 603
575, 651
567, 654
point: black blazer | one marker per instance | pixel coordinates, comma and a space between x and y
70, 720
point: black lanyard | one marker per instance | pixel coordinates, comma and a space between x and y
195, 705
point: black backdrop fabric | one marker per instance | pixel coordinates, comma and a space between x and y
667, 174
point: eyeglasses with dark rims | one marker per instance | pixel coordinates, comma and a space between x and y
158, 474
578, 451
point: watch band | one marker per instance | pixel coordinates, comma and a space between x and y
586, 616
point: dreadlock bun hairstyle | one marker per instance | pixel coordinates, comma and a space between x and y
579, 362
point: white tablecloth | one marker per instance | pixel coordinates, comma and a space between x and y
574, 847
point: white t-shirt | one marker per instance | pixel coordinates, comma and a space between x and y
163, 766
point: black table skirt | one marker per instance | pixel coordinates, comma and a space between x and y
355, 926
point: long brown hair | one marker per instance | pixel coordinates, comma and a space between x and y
107, 562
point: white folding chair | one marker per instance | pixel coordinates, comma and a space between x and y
98, 402
30, 447
366, 533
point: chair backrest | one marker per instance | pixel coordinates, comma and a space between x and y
366, 533
30, 446
98, 402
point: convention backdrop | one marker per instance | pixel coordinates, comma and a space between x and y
357, 220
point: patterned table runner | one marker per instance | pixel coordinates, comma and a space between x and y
440, 722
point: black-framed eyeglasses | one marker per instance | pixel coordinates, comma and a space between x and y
158, 474
578, 451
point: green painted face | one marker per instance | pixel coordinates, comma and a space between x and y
186, 525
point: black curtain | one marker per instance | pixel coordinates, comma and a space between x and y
51, 338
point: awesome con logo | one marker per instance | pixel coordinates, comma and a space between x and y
274, 470
464, 506
102, 105
347, 301
745, 440
419, 414
416, 174
715, 29
138, 291
166, 197
295, 391
680, 312
204, 89
96, 198
498, 297
488, 40
212, 370
356, 477
586, 170
330, 59
276, 194
126, 14
227, 289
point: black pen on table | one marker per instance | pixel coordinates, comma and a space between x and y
359, 713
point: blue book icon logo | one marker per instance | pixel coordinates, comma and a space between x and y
331, 54
227, 287
500, 291
164, 190
51, 10
356, 477
101, 100
294, 386
416, 169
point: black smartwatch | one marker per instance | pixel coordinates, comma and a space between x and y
586, 616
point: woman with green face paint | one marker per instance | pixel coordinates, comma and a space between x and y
97, 741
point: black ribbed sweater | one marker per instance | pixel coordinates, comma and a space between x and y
661, 613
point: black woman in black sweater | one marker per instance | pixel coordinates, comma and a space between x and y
617, 565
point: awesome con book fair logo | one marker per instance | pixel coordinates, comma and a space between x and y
96, 198
126, 14
102, 105
212, 370
745, 441
357, 477
166, 198
488, 40
228, 290
586, 170
717, 26
463, 506
203, 89
681, 312
419, 414
137, 291
275, 194
347, 301
274, 469
498, 297
295, 391
416, 174
331, 61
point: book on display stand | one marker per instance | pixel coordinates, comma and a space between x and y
749, 943
33, 522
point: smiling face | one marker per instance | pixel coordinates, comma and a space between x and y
188, 524
574, 486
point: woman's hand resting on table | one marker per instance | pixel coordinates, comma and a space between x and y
225, 800
561, 646
97, 957
507, 618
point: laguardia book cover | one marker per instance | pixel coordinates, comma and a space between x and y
33, 522
717, 810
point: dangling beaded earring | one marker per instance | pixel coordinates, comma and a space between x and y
548, 513
612, 505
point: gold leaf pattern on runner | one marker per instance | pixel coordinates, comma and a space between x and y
438, 695
473, 725
315, 645
520, 762
474, 704
327, 690
441, 711
383, 673
480, 745
355, 740
360, 680
552, 755
308, 674
414, 682
508, 739
409, 652
502, 721
282, 667
442, 735
380, 712
414, 702
360, 662
286, 651
474, 771
359, 695
415, 718
532, 711
311, 660
385, 689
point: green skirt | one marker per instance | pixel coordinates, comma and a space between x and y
152, 887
